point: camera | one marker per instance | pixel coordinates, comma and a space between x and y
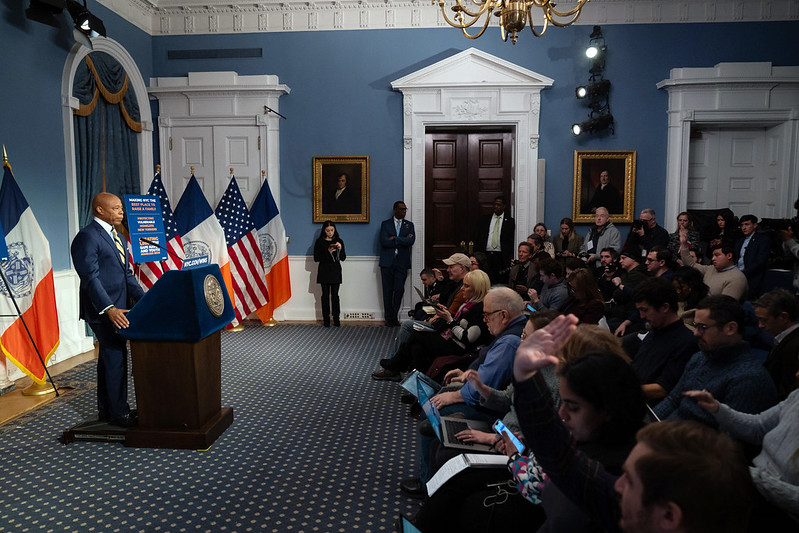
780, 224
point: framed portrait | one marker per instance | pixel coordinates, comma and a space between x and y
604, 178
341, 188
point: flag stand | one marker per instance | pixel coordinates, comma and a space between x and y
19, 314
271, 323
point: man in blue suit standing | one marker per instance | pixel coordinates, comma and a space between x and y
397, 235
752, 251
107, 290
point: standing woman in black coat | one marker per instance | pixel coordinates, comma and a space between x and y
329, 252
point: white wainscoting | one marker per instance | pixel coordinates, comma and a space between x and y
73, 338
360, 291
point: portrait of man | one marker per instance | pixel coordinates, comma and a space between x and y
341, 189
604, 178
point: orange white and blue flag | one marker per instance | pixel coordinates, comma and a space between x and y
29, 273
272, 240
203, 237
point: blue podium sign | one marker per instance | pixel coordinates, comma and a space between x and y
146, 226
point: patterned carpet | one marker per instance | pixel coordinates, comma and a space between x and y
316, 445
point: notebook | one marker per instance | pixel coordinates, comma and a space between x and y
445, 427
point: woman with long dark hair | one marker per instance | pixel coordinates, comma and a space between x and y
329, 252
585, 301
567, 242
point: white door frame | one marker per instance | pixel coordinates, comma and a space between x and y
742, 95
470, 89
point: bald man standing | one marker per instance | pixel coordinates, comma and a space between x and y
107, 290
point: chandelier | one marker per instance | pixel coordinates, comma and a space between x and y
513, 15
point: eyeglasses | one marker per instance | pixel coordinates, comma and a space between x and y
487, 314
701, 328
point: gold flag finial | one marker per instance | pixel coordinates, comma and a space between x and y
231, 171
263, 174
158, 168
192, 170
5, 155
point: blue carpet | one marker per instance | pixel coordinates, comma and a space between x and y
316, 445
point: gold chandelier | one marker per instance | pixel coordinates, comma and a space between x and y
513, 15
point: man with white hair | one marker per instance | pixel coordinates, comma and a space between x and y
603, 234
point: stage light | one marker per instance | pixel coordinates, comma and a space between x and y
593, 90
85, 22
45, 11
598, 123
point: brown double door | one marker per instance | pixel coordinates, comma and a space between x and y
464, 172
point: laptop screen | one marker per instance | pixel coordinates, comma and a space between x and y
425, 392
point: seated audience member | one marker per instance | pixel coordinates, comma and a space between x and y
728, 231
585, 300
555, 292
654, 234
479, 261
691, 289
664, 352
659, 261
431, 290
679, 477
774, 471
684, 222
777, 312
632, 273
752, 250
464, 332
523, 275
791, 247
602, 234
541, 230
457, 267
567, 243
723, 366
503, 313
636, 235
454, 506
570, 264
722, 277
608, 269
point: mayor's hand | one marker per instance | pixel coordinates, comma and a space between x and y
118, 318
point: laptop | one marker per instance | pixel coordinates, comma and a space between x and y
409, 383
445, 427
427, 307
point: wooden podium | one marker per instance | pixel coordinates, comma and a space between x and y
176, 348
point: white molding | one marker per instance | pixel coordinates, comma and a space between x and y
732, 95
182, 17
472, 88
237, 101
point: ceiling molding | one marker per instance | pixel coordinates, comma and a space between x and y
181, 17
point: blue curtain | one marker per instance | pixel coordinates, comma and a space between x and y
106, 129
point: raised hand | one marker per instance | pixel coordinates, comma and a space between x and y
538, 349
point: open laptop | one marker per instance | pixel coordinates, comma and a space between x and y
446, 427
410, 383
427, 307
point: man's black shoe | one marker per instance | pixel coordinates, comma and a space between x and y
413, 487
128, 421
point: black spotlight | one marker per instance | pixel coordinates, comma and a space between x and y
85, 22
593, 90
45, 11
598, 123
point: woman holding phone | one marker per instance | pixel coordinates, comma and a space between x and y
329, 252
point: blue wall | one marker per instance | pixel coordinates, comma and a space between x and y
341, 102
31, 126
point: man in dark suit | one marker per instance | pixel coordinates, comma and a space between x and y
397, 235
752, 251
342, 199
605, 195
777, 312
495, 237
107, 290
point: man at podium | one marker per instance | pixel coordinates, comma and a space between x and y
107, 289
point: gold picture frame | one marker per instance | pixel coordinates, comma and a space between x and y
618, 193
352, 204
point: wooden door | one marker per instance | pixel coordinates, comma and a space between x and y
464, 172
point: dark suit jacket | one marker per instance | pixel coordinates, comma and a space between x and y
782, 364
506, 236
104, 280
347, 202
755, 260
401, 243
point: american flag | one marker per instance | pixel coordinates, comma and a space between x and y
246, 263
148, 273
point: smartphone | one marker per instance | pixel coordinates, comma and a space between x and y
531, 308
500, 428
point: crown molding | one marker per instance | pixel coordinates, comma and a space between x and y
181, 17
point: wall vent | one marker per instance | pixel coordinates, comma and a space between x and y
359, 316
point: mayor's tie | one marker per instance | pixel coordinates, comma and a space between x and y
120, 248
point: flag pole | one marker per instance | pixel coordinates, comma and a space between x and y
19, 312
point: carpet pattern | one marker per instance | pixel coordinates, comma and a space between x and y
316, 445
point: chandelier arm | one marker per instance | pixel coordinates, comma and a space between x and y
564, 24
488, 5
549, 8
458, 21
482, 30
532, 26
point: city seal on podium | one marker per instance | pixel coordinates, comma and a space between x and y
214, 298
